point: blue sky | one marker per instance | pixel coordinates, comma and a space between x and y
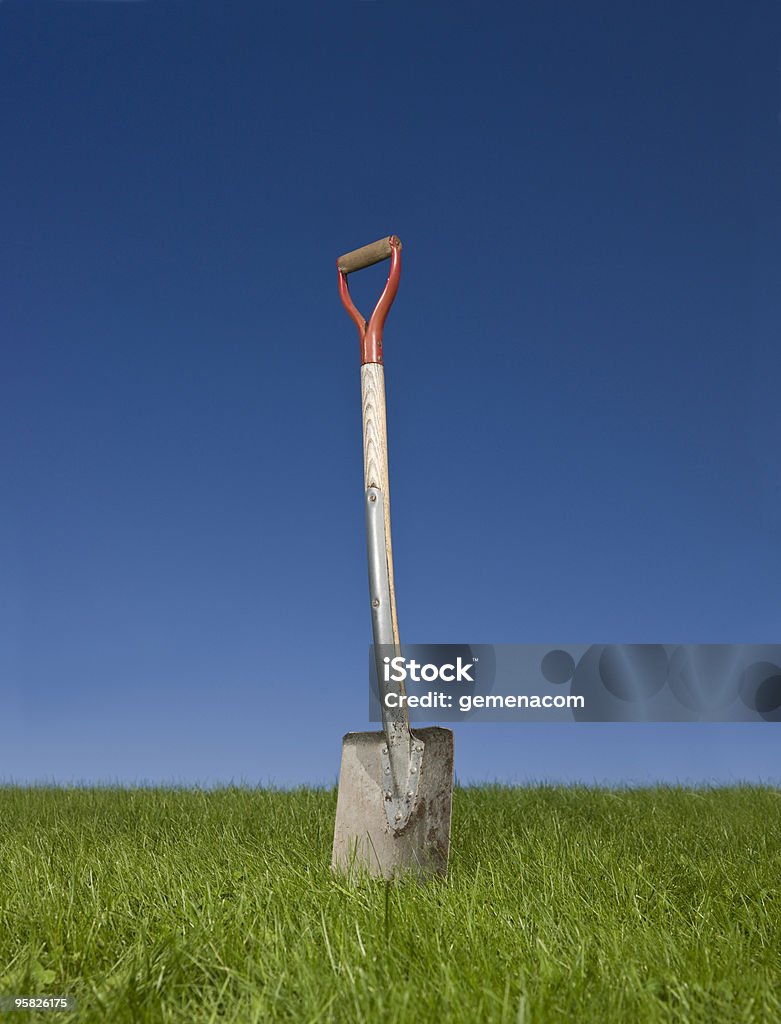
582, 368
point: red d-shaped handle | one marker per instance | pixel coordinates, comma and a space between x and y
370, 331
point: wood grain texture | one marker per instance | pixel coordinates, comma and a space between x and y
375, 457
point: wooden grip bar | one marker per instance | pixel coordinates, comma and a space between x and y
367, 255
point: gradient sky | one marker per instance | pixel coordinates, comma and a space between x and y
582, 364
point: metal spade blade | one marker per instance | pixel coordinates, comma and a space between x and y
364, 841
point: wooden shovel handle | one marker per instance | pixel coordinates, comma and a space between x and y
375, 460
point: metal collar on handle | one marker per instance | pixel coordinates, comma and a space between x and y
370, 331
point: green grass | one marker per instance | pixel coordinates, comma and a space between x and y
563, 904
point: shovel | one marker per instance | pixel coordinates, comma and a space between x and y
395, 786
